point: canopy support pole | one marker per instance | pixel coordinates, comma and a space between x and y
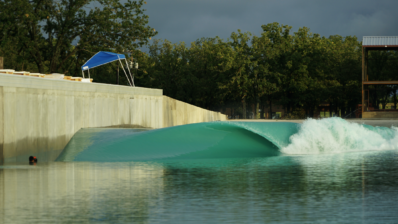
124, 71
132, 77
117, 79
88, 73
83, 73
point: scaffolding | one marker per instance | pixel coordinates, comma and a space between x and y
375, 43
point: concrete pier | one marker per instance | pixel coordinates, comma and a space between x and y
41, 115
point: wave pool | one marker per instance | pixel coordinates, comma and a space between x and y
320, 171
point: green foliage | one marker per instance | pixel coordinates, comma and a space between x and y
188, 74
41, 33
298, 71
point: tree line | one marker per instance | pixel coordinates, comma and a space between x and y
297, 71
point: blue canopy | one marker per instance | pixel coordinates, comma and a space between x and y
101, 58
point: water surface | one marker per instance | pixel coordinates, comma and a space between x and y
328, 176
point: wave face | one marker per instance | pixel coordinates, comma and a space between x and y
335, 135
203, 140
216, 140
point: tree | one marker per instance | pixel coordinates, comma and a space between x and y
279, 59
209, 60
264, 80
167, 64
48, 30
311, 79
343, 64
238, 80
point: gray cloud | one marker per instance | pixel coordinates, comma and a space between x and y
185, 20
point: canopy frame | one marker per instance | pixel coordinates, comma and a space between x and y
112, 58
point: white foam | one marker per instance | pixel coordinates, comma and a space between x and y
335, 135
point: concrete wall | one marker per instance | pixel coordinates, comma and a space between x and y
178, 113
39, 115
380, 115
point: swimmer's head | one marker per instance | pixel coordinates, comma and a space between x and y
32, 159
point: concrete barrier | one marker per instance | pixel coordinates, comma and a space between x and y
40, 115
178, 113
380, 115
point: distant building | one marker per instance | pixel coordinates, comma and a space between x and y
376, 43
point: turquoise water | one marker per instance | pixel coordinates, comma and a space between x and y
193, 141
321, 171
227, 140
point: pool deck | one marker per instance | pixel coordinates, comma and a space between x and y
380, 123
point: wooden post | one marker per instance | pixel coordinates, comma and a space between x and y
1, 122
366, 77
363, 79
366, 64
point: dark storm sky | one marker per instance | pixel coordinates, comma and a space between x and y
186, 20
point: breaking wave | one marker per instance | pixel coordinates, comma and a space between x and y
227, 140
335, 135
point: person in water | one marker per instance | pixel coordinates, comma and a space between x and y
32, 160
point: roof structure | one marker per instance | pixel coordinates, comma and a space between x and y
380, 41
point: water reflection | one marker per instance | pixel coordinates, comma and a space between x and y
79, 192
339, 188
